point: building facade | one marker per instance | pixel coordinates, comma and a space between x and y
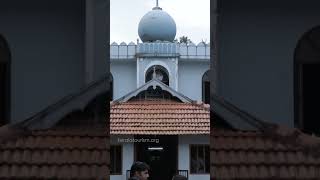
183, 64
160, 93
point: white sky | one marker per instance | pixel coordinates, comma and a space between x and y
192, 18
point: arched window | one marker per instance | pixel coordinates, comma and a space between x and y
306, 81
206, 88
160, 73
5, 59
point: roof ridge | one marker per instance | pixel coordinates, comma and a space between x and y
293, 136
282, 134
309, 145
202, 105
10, 132
153, 83
235, 133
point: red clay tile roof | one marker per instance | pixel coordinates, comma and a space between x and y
254, 155
159, 117
308, 143
60, 153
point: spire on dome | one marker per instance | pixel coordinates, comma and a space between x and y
154, 75
157, 6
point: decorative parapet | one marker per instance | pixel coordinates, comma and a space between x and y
123, 51
159, 49
191, 51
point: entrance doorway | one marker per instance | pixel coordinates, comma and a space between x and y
162, 157
4, 81
307, 88
311, 97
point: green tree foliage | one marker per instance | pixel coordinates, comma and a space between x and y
184, 39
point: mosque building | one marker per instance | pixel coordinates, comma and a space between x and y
156, 116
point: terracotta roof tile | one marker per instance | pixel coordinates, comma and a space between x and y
253, 155
58, 153
159, 117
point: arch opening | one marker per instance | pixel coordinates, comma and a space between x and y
306, 86
161, 74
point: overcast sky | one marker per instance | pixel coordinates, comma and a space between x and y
192, 18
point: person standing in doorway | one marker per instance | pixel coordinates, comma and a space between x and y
140, 170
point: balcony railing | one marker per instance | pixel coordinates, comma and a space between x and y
183, 173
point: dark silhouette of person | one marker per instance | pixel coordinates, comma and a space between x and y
139, 170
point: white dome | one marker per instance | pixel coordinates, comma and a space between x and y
157, 25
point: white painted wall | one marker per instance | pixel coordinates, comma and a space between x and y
185, 75
256, 54
184, 151
190, 78
127, 155
124, 77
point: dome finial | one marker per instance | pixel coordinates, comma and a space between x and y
157, 6
154, 75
